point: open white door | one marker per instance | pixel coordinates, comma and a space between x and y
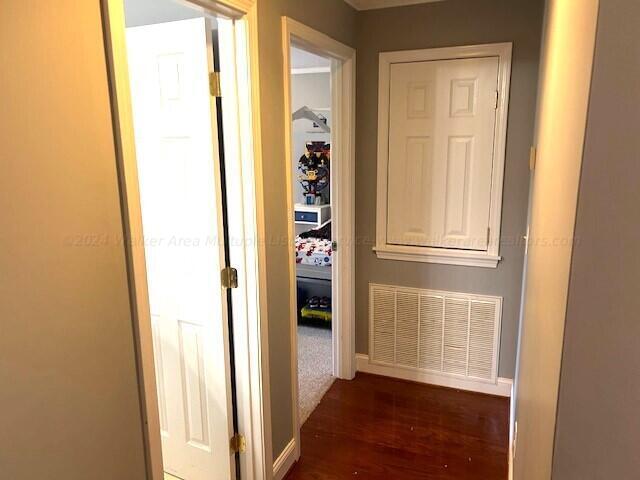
179, 175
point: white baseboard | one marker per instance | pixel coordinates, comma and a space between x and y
285, 460
501, 388
513, 430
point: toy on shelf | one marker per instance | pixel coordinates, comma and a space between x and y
314, 171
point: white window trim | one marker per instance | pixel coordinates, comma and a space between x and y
451, 256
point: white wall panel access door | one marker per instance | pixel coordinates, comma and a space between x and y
180, 190
442, 119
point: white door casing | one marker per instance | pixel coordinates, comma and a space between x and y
441, 130
178, 161
343, 59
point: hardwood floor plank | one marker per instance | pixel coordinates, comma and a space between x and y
379, 428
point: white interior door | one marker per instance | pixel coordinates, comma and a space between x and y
178, 163
442, 117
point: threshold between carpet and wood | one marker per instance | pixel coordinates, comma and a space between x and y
314, 368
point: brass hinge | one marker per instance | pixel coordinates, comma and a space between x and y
533, 155
334, 246
497, 100
214, 84
238, 443
229, 277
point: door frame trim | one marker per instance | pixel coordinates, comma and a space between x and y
343, 72
252, 367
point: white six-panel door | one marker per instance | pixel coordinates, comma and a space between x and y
177, 153
442, 117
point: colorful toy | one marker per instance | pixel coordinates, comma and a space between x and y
314, 169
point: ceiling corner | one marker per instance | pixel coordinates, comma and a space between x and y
354, 3
377, 4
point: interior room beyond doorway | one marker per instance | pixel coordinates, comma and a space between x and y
312, 174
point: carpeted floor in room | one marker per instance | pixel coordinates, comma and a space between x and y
314, 367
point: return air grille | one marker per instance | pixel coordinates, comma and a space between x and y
443, 332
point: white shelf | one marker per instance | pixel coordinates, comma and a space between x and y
312, 215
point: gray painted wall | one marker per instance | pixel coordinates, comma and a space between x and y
451, 23
598, 425
68, 381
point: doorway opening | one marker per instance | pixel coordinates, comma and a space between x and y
319, 77
183, 103
311, 172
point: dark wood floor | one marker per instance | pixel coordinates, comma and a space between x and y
380, 428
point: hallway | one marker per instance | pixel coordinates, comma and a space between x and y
381, 428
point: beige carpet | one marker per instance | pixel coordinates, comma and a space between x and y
314, 368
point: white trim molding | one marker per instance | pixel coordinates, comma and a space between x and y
342, 191
285, 461
447, 256
249, 255
310, 70
343, 84
501, 388
451, 256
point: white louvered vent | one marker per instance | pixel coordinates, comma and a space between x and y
443, 332
384, 329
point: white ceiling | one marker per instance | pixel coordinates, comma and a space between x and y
373, 4
303, 59
146, 12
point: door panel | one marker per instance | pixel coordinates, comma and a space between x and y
441, 134
178, 163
